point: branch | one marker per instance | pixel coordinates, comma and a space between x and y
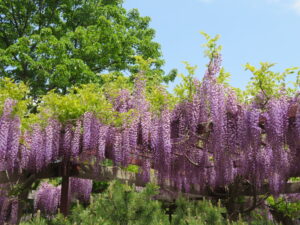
261, 88
254, 206
14, 20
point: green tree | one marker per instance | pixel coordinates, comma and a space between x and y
54, 44
270, 84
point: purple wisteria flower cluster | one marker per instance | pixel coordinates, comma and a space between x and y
207, 141
8, 206
47, 197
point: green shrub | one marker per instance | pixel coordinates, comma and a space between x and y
120, 204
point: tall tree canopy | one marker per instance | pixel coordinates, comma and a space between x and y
58, 43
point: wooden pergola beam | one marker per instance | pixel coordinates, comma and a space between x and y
109, 173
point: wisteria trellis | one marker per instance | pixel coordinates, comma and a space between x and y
206, 141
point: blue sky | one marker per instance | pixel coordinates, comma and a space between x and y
251, 31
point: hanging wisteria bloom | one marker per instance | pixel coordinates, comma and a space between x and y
47, 199
206, 141
81, 189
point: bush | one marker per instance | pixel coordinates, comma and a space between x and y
121, 205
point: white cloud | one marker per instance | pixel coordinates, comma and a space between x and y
296, 6
288, 4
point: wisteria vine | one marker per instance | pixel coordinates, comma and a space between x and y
207, 141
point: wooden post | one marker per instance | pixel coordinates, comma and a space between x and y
64, 197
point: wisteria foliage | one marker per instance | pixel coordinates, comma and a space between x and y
207, 141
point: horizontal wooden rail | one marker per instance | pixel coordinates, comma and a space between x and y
109, 173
